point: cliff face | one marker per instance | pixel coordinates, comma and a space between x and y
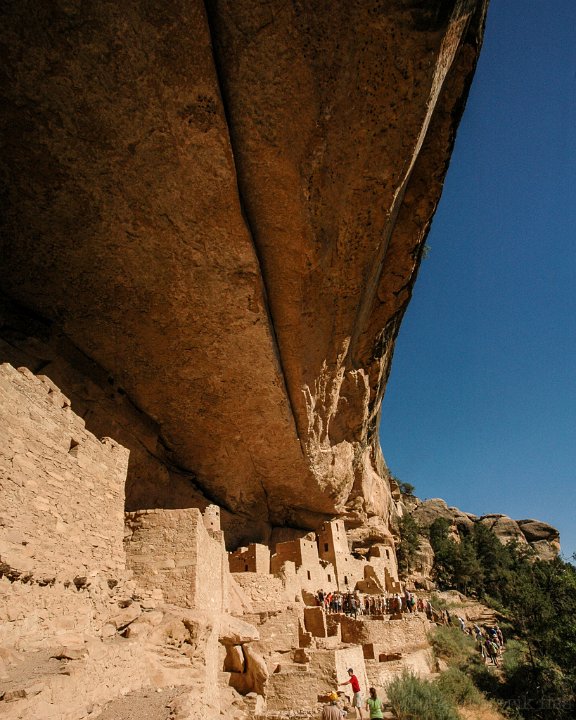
212, 219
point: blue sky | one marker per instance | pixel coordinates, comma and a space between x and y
480, 408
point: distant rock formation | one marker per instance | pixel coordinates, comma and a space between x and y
542, 538
212, 217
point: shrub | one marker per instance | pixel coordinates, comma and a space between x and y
439, 603
406, 488
453, 683
515, 655
412, 697
452, 645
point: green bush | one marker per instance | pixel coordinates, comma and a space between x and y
452, 645
439, 603
453, 683
412, 698
515, 656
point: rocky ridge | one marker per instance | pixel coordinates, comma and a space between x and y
541, 538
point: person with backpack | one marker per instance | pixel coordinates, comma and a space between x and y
374, 705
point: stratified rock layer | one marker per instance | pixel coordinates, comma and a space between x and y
219, 210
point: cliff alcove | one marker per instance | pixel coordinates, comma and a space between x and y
212, 219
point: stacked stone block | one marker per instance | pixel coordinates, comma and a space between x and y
255, 558
61, 489
173, 550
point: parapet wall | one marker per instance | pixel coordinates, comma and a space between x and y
407, 634
61, 489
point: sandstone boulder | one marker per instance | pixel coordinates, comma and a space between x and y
535, 530
429, 510
234, 631
505, 529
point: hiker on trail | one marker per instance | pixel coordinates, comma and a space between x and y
374, 705
333, 711
357, 697
481, 646
492, 649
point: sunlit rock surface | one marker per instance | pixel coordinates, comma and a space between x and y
212, 219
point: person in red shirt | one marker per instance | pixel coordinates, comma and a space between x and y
357, 697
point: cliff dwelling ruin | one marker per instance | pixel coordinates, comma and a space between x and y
213, 215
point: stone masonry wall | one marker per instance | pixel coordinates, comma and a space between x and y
266, 592
172, 550
255, 558
409, 633
34, 616
61, 489
310, 573
384, 557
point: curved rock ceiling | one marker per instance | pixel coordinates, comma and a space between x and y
215, 213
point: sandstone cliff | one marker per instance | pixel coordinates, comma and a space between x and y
212, 219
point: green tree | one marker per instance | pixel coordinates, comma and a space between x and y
445, 554
409, 544
406, 488
468, 570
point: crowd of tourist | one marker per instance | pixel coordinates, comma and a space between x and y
489, 642
355, 604
489, 639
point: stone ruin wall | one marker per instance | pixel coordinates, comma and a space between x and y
62, 490
169, 556
173, 550
327, 667
265, 592
383, 557
255, 559
64, 581
406, 634
61, 517
333, 548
